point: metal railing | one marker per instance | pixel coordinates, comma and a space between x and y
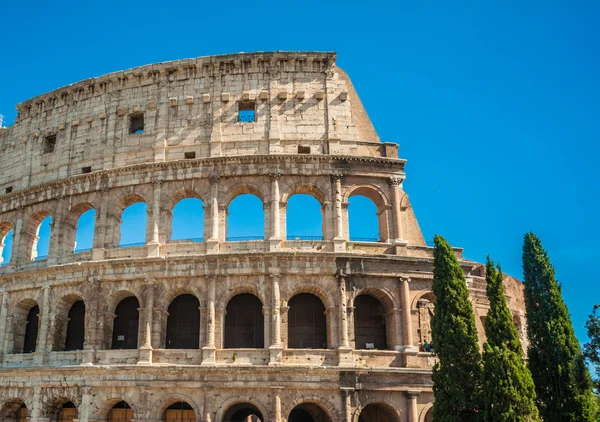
192, 239
41, 258
302, 237
364, 239
244, 238
82, 250
132, 245
246, 118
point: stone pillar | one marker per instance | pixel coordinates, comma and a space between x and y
396, 188
36, 412
407, 329
275, 239
344, 349
3, 321
212, 243
276, 401
208, 405
347, 396
84, 410
18, 254
100, 228
398, 338
209, 351
146, 349
338, 241
153, 224
44, 324
411, 406
276, 348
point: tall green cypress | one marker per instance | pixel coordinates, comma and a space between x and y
457, 378
509, 388
562, 383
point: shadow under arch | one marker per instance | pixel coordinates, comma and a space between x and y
229, 407
106, 404
426, 414
157, 412
391, 412
325, 406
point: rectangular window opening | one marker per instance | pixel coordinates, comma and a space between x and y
247, 113
49, 143
189, 155
136, 123
303, 149
9, 189
87, 169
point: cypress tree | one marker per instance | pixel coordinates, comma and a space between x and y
458, 376
562, 382
509, 388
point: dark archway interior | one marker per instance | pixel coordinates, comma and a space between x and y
308, 412
125, 328
68, 412
183, 323
76, 327
243, 412
120, 412
180, 412
244, 323
429, 415
22, 414
31, 330
307, 327
377, 413
369, 323
14, 411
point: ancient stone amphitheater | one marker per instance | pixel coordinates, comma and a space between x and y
214, 329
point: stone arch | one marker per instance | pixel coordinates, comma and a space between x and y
181, 193
387, 299
172, 199
113, 301
314, 289
378, 401
242, 189
115, 216
422, 308
25, 335
157, 411
368, 325
70, 224
11, 407
326, 405
423, 294
169, 294
382, 204
183, 323
51, 408
305, 189
30, 232
238, 289
243, 322
59, 324
423, 415
229, 403
105, 404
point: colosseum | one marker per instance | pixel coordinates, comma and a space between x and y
281, 328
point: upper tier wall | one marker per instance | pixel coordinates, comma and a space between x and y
188, 106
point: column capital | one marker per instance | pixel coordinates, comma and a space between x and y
214, 178
156, 182
341, 275
395, 182
403, 279
336, 176
274, 175
413, 393
150, 280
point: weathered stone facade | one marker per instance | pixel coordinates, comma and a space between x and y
72, 150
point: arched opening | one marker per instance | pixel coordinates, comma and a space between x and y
188, 220
429, 416
245, 219
133, 225
369, 323
14, 411
120, 412
76, 327
243, 412
6, 242
308, 412
180, 412
41, 241
183, 323
363, 219
125, 326
425, 310
307, 325
31, 330
304, 218
84, 235
244, 323
378, 413
67, 413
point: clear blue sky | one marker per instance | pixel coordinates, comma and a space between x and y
495, 105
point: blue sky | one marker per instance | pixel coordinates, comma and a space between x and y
495, 104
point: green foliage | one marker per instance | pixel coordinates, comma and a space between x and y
509, 388
457, 378
562, 383
591, 350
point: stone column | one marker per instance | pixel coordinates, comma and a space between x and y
212, 243
3, 322
208, 405
100, 227
347, 395
19, 254
398, 338
36, 412
55, 247
209, 351
84, 409
338, 240
407, 329
153, 224
345, 356
276, 403
44, 324
276, 348
411, 405
396, 188
146, 348
275, 239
